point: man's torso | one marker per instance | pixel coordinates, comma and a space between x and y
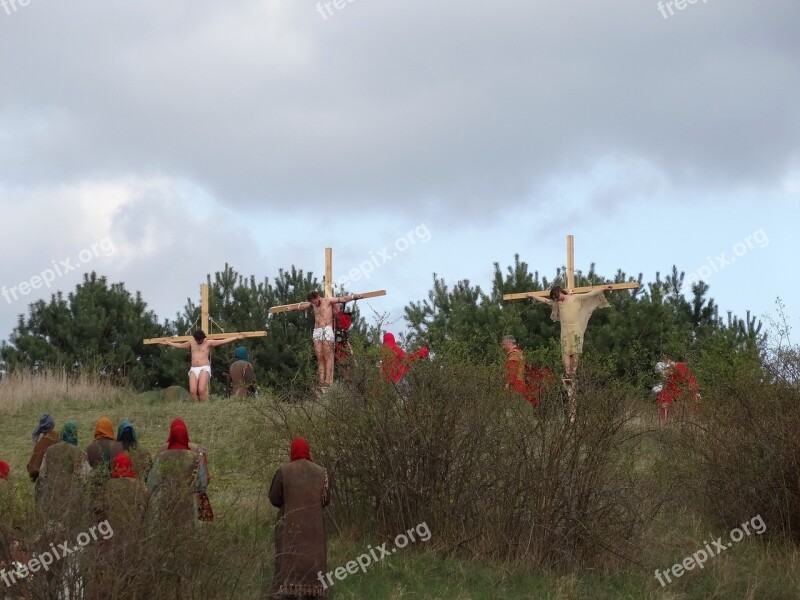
200, 353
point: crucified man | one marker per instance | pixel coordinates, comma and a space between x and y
573, 311
200, 373
323, 336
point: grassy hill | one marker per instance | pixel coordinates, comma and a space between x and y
248, 439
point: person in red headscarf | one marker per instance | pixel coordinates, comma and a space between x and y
116, 556
300, 490
679, 384
124, 496
395, 363
179, 478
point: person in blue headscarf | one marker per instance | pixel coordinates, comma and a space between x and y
128, 442
241, 372
64, 468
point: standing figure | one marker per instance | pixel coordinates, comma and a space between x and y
301, 490
116, 560
200, 372
99, 451
64, 468
679, 384
128, 442
395, 363
44, 436
241, 372
528, 381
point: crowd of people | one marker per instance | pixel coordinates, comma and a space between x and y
160, 497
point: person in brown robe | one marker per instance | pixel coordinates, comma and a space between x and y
177, 478
44, 436
179, 473
241, 372
116, 559
301, 490
98, 453
64, 469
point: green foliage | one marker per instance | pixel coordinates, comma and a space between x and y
99, 327
96, 329
641, 326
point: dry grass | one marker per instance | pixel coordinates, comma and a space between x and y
52, 388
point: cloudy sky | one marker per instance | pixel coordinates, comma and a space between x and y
155, 141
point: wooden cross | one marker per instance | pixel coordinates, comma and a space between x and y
204, 326
328, 287
571, 280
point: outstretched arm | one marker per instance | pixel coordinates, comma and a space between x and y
346, 298
175, 344
539, 299
299, 306
225, 340
599, 291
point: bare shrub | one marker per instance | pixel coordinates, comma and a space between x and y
491, 475
741, 452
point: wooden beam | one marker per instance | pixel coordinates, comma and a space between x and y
328, 272
570, 263
632, 285
204, 308
375, 294
296, 306
211, 336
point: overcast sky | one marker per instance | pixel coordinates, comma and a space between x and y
155, 141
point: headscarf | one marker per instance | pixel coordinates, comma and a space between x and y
300, 450
178, 436
389, 342
127, 426
69, 433
104, 429
241, 354
123, 467
46, 423
4, 469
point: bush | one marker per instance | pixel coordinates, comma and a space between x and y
741, 453
492, 476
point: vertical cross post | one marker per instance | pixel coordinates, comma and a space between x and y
204, 308
570, 263
328, 272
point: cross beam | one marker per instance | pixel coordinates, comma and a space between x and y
328, 287
570, 279
204, 326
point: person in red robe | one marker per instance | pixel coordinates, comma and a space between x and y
528, 381
679, 385
395, 363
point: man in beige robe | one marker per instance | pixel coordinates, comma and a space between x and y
573, 312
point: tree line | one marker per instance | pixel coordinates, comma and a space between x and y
99, 327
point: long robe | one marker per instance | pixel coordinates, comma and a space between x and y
242, 375
64, 468
35, 463
176, 476
300, 489
574, 313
